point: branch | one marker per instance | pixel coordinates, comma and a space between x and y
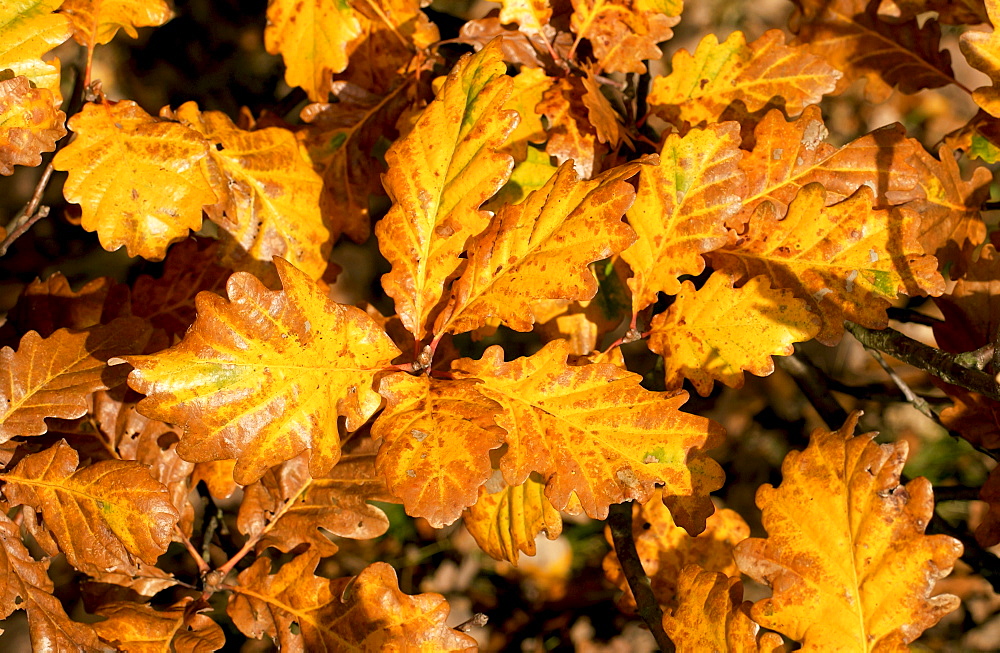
941, 364
620, 522
813, 385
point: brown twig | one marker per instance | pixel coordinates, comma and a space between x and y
203, 567
813, 385
620, 522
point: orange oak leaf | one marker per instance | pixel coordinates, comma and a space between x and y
217, 476
716, 332
975, 417
972, 309
139, 181
263, 376
789, 155
981, 51
951, 227
54, 376
366, 612
591, 429
622, 33
712, 615
851, 37
439, 175
268, 194
868, 586
45, 306
138, 628
847, 261
103, 516
25, 585
950, 12
605, 119
95, 22
436, 440
571, 135
505, 520
29, 29
681, 209
315, 39
532, 16
665, 548
288, 507
30, 123
541, 249
765, 72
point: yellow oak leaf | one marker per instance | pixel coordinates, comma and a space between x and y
439, 175
505, 521
716, 332
702, 85
867, 586
623, 33
529, 86
712, 615
665, 548
140, 628
139, 181
852, 37
95, 22
529, 175
29, 29
531, 16
982, 51
681, 209
367, 612
102, 515
268, 195
847, 261
315, 39
789, 155
436, 440
593, 430
541, 249
30, 123
263, 376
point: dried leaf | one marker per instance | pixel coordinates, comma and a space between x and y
950, 12
30, 123
541, 249
591, 429
366, 612
872, 576
980, 49
681, 209
624, 32
263, 376
439, 175
506, 522
571, 136
138, 180
847, 261
102, 515
29, 29
45, 306
972, 309
764, 73
988, 531
54, 376
95, 22
137, 628
716, 332
605, 119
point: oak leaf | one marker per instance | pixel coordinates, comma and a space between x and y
263, 376
529, 86
366, 612
25, 584
592, 429
665, 548
981, 51
622, 33
138, 180
712, 615
540, 249
868, 586
975, 417
765, 72
103, 516
607, 123
716, 332
789, 155
532, 16
54, 376
571, 135
851, 37
45, 306
29, 29
30, 123
95, 22
847, 261
972, 309
268, 194
529, 175
988, 531
950, 12
439, 175
138, 628
436, 437
681, 209
505, 521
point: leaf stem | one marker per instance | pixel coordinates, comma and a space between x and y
620, 522
203, 567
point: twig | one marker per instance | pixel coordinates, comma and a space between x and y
620, 522
203, 567
934, 361
911, 397
978, 358
813, 385
909, 315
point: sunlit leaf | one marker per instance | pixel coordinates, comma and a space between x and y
29, 29
623, 33
96, 22
30, 123
506, 521
138, 628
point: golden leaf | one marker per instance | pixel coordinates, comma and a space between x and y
623, 33
29, 29
30, 124
138, 628
95, 22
